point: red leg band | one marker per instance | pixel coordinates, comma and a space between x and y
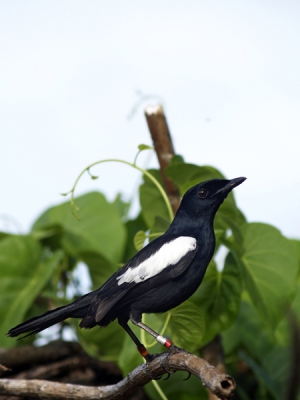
168, 343
143, 351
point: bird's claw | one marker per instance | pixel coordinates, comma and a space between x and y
188, 377
149, 374
169, 373
150, 357
175, 349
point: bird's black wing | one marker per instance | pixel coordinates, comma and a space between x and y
161, 260
182, 264
168, 253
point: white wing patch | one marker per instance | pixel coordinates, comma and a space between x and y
169, 254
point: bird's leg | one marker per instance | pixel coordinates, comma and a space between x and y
141, 348
136, 318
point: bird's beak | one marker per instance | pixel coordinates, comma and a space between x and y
230, 185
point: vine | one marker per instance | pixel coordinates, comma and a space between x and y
133, 165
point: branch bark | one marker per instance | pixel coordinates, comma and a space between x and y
159, 130
220, 384
33, 355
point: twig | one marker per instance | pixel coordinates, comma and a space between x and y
164, 149
220, 384
33, 355
51, 370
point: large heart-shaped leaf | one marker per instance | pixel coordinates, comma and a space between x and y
99, 267
187, 175
219, 296
246, 330
269, 269
99, 229
133, 227
23, 276
187, 325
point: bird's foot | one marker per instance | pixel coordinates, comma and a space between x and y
188, 377
175, 349
169, 373
148, 372
150, 357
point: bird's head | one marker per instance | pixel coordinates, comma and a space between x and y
205, 198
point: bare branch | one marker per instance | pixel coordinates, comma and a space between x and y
213, 353
164, 149
32, 355
220, 384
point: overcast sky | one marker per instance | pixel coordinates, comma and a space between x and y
227, 71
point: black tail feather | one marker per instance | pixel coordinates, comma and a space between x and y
77, 309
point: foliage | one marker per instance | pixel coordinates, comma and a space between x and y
246, 300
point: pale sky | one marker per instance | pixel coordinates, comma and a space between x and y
227, 71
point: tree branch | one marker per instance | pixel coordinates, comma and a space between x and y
220, 384
164, 149
32, 355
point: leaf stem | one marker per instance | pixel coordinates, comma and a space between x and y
144, 172
159, 391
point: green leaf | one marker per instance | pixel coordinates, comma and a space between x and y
99, 230
142, 147
269, 269
187, 175
121, 205
283, 331
296, 245
277, 364
177, 159
219, 297
132, 227
23, 276
187, 325
99, 267
151, 200
230, 217
263, 376
159, 227
4, 235
246, 330
139, 240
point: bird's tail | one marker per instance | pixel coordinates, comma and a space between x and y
77, 309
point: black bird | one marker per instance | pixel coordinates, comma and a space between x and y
161, 276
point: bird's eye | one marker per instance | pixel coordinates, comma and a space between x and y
202, 193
